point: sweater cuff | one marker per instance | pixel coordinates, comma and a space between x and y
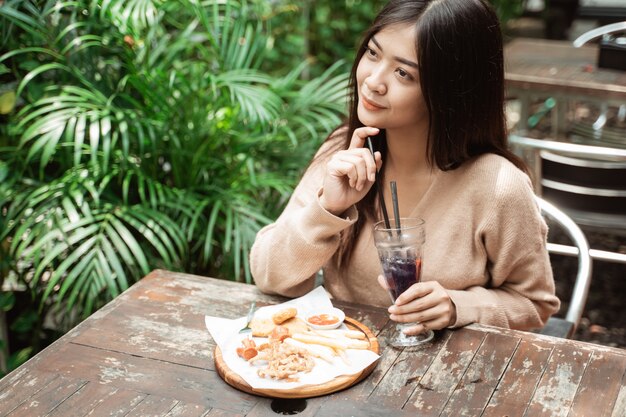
466, 311
476, 307
319, 223
350, 215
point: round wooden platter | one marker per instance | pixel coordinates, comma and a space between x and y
306, 391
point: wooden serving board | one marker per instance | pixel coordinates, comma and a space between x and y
307, 391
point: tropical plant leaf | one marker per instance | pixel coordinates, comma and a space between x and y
29, 24
145, 134
130, 16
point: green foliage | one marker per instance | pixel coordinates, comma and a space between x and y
508, 9
144, 134
154, 134
321, 32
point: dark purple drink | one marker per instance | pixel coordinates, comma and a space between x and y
401, 274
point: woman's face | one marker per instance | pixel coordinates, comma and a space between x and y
390, 96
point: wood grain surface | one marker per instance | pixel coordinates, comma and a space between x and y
557, 67
341, 382
148, 353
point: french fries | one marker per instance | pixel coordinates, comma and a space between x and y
319, 351
351, 334
330, 340
358, 344
312, 338
290, 349
347, 337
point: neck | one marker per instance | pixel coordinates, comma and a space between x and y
407, 154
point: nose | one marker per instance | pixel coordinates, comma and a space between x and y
376, 83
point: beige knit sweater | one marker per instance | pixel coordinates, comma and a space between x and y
485, 243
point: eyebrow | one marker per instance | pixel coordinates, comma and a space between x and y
397, 58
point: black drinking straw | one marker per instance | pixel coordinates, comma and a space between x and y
381, 197
394, 200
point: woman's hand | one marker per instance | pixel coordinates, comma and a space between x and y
350, 173
426, 303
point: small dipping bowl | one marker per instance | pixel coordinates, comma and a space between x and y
324, 319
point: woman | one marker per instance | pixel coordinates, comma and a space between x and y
427, 86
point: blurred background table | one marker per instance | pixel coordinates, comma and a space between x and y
554, 78
148, 353
540, 68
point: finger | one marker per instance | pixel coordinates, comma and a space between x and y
421, 316
352, 169
339, 168
359, 166
379, 160
438, 315
371, 166
414, 330
360, 136
419, 290
437, 324
369, 160
425, 304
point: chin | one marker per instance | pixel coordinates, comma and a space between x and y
368, 119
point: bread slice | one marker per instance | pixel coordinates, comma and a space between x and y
284, 315
261, 327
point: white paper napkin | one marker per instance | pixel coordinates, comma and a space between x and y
225, 332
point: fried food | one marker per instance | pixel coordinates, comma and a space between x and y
352, 334
284, 315
334, 342
279, 334
248, 350
261, 327
318, 351
295, 325
264, 327
292, 345
284, 361
320, 340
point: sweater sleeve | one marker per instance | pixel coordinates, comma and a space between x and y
286, 255
520, 293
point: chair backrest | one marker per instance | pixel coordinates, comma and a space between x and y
586, 202
602, 30
583, 277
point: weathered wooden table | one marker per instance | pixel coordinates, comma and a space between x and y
148, 353
536, 68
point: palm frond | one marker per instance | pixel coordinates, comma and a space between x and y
130, 16
10, 13
86, 121
248, 89
73, 235
148, 136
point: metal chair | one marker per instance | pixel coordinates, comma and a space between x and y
566, 327
585, 183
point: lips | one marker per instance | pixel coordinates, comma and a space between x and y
371, 105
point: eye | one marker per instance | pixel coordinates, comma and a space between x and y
404, 74
370, 52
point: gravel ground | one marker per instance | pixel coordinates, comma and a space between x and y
604, 318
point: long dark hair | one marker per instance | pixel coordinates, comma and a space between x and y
461, 74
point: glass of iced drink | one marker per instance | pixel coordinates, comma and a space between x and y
400, 253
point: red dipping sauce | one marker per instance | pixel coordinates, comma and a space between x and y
323, 319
